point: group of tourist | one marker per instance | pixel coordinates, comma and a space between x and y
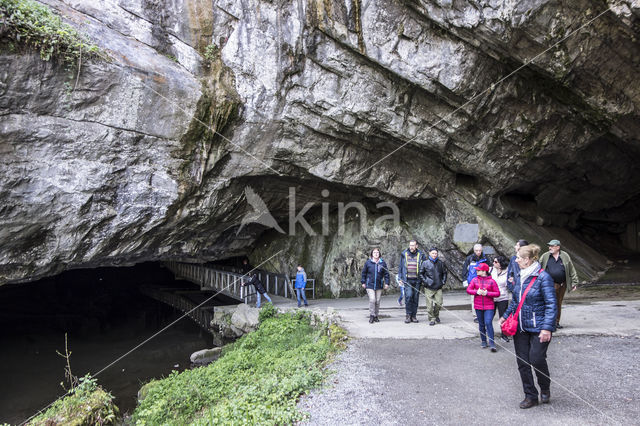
527, 287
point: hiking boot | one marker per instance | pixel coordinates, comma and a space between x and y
414, 319
432, 323
528, 403
438, 320
483, 345
559, 326
494, 349
375, 319
545, 397
407, 320
371, 319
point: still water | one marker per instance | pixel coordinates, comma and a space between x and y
104, 316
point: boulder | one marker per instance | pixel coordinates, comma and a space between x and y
205, 356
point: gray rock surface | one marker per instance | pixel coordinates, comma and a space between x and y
313, 94
205, 356
231, 322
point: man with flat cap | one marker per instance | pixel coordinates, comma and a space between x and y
558, 264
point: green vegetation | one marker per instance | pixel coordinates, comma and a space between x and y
257, 380
25, 22
211, 53
86, 404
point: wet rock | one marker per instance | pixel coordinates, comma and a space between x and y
205, 356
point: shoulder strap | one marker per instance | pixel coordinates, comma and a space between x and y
524, 295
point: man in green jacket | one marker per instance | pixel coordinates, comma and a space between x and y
558, 264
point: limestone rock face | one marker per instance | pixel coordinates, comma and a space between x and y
518, 117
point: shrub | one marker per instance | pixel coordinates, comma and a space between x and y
87, 404
268, 311
35, 25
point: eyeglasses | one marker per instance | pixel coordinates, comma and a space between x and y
496, 261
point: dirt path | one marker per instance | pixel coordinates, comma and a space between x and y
426, 381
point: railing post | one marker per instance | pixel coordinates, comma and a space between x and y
286, 288
276, 292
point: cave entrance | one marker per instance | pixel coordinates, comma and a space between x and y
631, 238
104, 314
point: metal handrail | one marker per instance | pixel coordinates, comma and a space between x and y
307, 288
229, 283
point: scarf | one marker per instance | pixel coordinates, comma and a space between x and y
525, 273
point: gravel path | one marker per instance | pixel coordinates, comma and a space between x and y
418, 382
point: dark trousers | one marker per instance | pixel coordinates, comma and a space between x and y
501, 307
411, 296
561, 288
531, 353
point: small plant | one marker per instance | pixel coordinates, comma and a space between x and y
171, 57
211, 53
338, 336
68, 375
35, 25
268, 311
85, 402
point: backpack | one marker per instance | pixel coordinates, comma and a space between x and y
471, 271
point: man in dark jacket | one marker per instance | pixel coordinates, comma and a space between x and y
409, 275
513, 270
254, 280
469, 271
433, 274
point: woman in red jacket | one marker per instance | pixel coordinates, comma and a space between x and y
484, 288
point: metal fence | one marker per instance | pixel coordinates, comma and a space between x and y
230, 283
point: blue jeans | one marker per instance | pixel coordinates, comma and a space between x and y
266, 296
300, 292
411, 296
401, 295
485, 324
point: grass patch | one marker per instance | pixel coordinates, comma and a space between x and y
25, 22
257, 380
86, 404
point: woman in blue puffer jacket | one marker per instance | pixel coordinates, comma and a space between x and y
536, 322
